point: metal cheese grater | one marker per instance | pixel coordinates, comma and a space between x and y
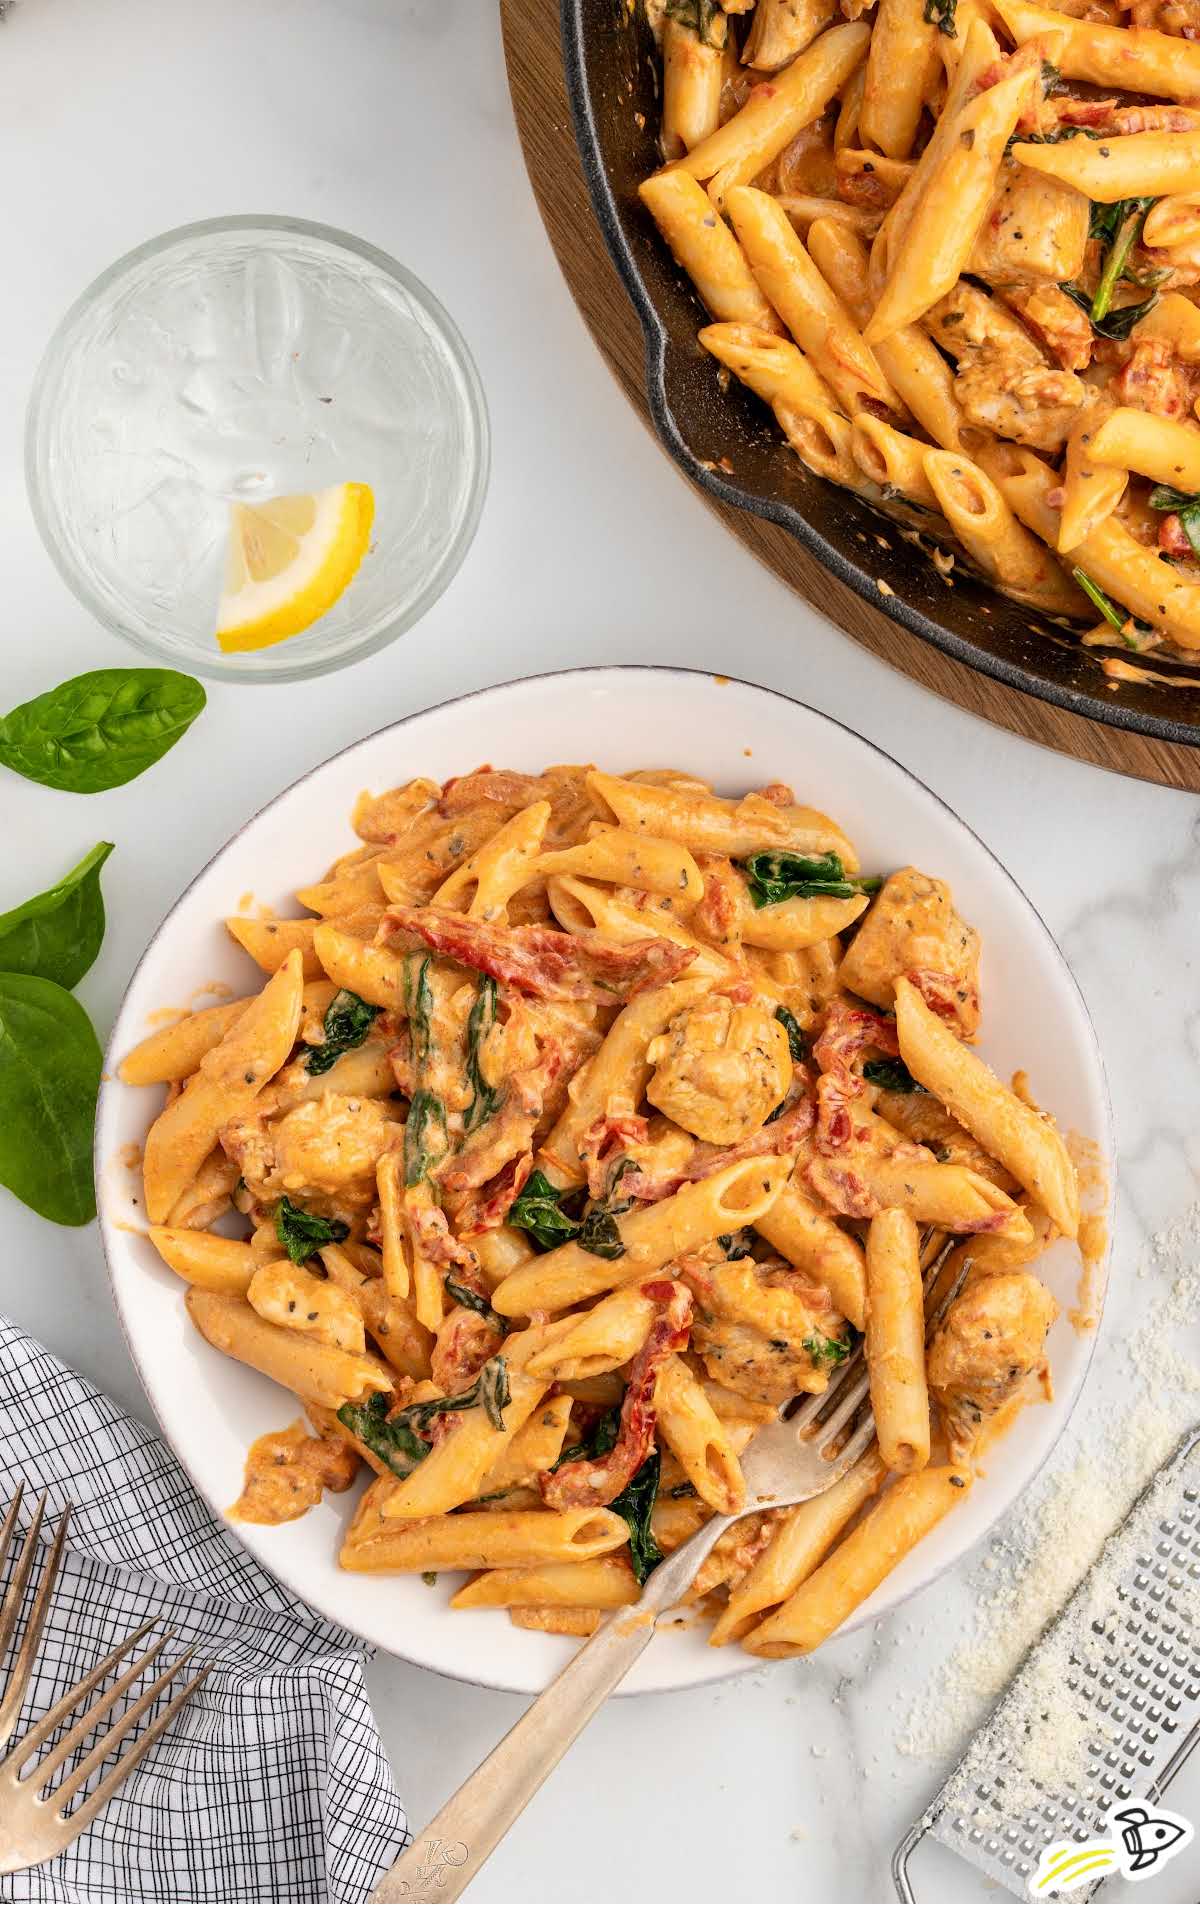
1137, 1670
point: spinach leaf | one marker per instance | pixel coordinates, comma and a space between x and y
425, 1136
402, 1440
598, 1233
484, 1097
635, 1504
100, 729
827, 1351
600, 1439
1180, 502
302, 1233
394, 1442
681, 1490
49, 1077
471, 1300
701, 15
940, 13
58, 933
776, 876
347, 1022
494, 1393
537, 1211
797, 1043
1118, 226
418, 1004
1129, 627
1117, 324
890, 1074
737, 1244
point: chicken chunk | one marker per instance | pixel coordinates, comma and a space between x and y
762, 1330
1004, 383
325, 1148
912, 926
1035, 227
993, 1337
720, 1069
289, 1295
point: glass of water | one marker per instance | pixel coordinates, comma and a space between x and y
233, 362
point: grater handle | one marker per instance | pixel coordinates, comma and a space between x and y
900, 1858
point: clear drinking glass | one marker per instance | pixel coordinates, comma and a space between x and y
235, 361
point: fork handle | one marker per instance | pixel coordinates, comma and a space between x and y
439, 1865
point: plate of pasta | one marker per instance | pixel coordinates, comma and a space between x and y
534, 1134
919, 282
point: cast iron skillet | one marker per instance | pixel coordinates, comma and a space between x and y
611, 72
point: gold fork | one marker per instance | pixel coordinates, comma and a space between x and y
33, 1823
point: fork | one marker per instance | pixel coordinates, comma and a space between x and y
34, 1824
789, 1461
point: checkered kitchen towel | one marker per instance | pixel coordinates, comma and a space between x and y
272, 1783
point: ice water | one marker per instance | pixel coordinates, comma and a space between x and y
237, 364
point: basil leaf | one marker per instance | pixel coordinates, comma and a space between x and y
58, 933
797, 1043
940, 13
494, 1392
776, 876
49, 1077
827, 1351
537, 1211
635, 1504
890, 1074
471, 1300
394, 1442
484, 1097
101, 729
347, 1022
302, 1233
426, 1139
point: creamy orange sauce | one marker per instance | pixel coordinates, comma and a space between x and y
287, 1472
129, 1157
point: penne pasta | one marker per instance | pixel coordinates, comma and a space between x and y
544, 1219
895, 1346
1027, 1144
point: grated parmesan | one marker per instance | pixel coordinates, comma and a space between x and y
1055, 1535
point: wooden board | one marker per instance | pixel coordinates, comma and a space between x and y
535, 76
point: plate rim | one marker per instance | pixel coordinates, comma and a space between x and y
111, 1088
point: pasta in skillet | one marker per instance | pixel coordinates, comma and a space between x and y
596, 1117
954, 246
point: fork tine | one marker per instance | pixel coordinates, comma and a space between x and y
815, 1405
41, 1773
850, 1397
14, 1693
112, 1781
107, 1741
10, 1521
17, 1586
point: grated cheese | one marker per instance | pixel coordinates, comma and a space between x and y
1053, 1537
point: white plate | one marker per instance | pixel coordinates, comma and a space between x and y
737, 736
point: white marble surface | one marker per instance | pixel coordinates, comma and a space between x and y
119, 118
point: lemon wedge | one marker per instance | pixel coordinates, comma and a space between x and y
289, 561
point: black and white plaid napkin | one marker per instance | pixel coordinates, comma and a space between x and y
272, 1782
